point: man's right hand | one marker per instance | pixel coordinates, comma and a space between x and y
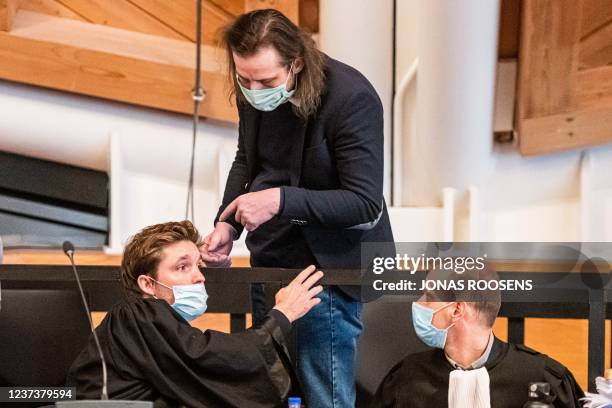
217, 246
297, 298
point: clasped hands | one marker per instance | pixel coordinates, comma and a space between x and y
251, 210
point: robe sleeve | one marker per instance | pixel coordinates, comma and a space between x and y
200, 369
385, 396
563, 385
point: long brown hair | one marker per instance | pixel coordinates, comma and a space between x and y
269, 27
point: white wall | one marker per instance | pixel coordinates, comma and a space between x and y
153, 151
556, 197
360, 33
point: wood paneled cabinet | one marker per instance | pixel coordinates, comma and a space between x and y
565, 75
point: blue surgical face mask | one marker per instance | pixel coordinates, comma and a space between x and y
422, 318
189, 300
268, 99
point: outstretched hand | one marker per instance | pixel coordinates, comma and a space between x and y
297, 298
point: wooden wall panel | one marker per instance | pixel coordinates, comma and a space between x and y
52, 8
565, 83
180, 15
309, 15
57, 257
81, 257
594, 88
509, 24
595, 14
290, 8
233, 7
105, 39
120, 14
158, 80
596, 48
8, 9
564, 131
568, 345
550, 34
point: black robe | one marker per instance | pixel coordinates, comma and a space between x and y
153, 354
421, 379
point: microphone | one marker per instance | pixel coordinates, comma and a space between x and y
68, 248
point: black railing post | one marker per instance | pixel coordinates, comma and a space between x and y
597, 320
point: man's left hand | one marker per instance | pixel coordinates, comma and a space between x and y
254, 209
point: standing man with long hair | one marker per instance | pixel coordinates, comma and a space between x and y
306, 183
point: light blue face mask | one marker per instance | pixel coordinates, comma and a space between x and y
268, 99
189, 300
422, 318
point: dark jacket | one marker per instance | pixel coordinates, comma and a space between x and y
153, 354
336, 191
422, 379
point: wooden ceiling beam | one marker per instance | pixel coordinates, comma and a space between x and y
120, 14
50, 7
8, 9
233, 7
180, 15
290, 8
111, 63
309, 15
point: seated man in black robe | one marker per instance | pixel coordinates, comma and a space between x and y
468, 366
154, 354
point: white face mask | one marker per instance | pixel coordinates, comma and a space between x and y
190, 301
422, 319
269, 99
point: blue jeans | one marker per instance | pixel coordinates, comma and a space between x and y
325, 344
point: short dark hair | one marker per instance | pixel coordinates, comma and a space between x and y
143, 252
269, 27
486, 302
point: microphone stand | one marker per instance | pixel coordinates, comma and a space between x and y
69, 251
104, 402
